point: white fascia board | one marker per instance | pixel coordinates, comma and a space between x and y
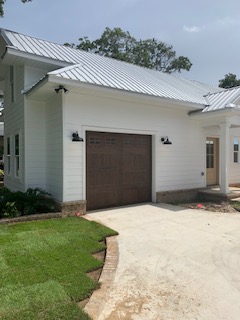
127, 95
227, 112
12, 52
36, 87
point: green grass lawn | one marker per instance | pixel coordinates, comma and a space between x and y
43, 266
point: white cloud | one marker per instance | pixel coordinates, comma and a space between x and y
192, 29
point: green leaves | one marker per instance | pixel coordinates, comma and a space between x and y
229, 81
149, 53
2, 2
32, 201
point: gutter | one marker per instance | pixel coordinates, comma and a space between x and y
223, 112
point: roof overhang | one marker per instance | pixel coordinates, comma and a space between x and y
45, 89
14, 56
214, 118
226, 112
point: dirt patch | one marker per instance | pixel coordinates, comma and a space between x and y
223, 206
94, 275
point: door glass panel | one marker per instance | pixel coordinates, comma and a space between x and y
210, 154
235, 150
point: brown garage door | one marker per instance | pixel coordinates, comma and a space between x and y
118, 169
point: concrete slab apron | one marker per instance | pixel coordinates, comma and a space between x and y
174, 263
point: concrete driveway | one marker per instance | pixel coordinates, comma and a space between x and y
174, 264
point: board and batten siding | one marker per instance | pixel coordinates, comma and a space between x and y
14, 124
176, 166
54, 147
35, 140
44, 145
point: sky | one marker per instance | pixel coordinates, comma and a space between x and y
205, 31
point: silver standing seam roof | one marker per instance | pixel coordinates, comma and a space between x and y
223, 99
98, 70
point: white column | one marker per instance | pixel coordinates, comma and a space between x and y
224, 157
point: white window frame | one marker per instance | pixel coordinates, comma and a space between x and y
17, 155
12, 84
8, 154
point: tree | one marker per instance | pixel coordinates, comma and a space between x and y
2, 2
229, 81
149, 53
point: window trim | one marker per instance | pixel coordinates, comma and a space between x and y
8, 155
12, 83
17, 156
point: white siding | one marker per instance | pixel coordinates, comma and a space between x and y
176, 166
44, 146
35, 140
234, 172
1, 129
14, 124
54, 148
32, 75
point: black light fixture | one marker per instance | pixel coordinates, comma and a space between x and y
61, 88
165, 140
75, 137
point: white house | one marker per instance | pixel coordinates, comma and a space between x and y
94, 131
1, 143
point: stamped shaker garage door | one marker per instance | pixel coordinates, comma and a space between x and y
118, 169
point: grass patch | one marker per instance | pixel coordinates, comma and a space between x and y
43, 266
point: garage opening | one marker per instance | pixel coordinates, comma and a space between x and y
119, 169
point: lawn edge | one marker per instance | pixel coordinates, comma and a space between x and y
32, 217
100, 296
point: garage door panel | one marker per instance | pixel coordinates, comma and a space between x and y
129, 196
106, 199
118, 169
136, 179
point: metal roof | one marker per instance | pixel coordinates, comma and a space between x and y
95, 69
116, 74
223, 99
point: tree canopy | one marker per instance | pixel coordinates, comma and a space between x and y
149, 53
2, 2
229, 81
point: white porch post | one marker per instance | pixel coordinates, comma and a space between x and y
224, 157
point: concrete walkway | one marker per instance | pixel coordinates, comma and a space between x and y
174, 264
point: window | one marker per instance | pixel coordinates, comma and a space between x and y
16, 155
93, 140
8, 155
210, 154
11, 77
110, 141
235, 150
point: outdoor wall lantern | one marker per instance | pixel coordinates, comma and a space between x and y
75, 137
165, 140
61, 88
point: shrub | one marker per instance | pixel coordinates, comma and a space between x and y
25, 203
10, 210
